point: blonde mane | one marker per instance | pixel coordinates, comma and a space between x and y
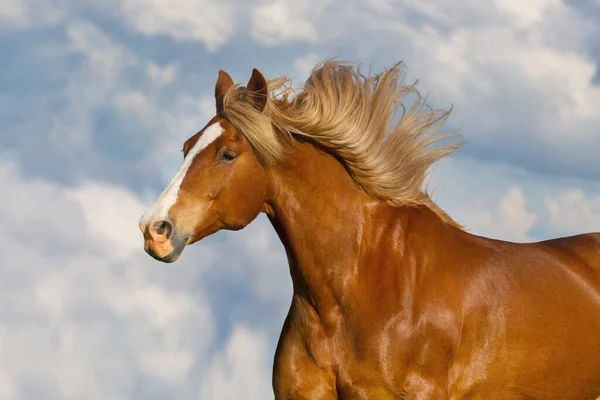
354, 117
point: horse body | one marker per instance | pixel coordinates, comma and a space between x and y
392, 299
391, 302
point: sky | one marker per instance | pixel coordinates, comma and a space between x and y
98, 96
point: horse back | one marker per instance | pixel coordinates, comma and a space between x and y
581, 253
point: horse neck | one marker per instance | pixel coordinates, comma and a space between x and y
319, 214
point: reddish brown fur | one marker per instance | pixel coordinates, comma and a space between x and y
394, 303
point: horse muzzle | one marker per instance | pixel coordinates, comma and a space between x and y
162, 242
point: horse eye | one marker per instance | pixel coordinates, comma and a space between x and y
228, 155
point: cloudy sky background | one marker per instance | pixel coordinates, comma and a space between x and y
97, 98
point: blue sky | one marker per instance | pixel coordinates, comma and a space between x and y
97, 98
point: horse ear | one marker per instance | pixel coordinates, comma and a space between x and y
224, 82
258, 89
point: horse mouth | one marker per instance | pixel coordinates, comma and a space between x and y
178, 246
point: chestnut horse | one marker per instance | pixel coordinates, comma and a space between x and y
392, 299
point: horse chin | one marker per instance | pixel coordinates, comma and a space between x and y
178, 244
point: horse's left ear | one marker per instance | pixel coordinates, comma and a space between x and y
258, 90
224, 82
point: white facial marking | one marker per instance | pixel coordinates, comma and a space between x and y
160, 209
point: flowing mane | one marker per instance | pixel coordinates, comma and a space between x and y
354, 117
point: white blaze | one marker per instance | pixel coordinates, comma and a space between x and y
168, 197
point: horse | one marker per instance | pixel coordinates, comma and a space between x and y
392, 298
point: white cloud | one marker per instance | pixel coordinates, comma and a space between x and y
206, 21
242, 370
7, 387
572, 212
211, 22
508, 219
107, 58
14, 10
114, 227
162, 75
279, 21
494, 54
525, 13
20, 14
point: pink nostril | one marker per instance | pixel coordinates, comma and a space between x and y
161, 231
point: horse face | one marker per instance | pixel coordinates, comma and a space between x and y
221, 185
